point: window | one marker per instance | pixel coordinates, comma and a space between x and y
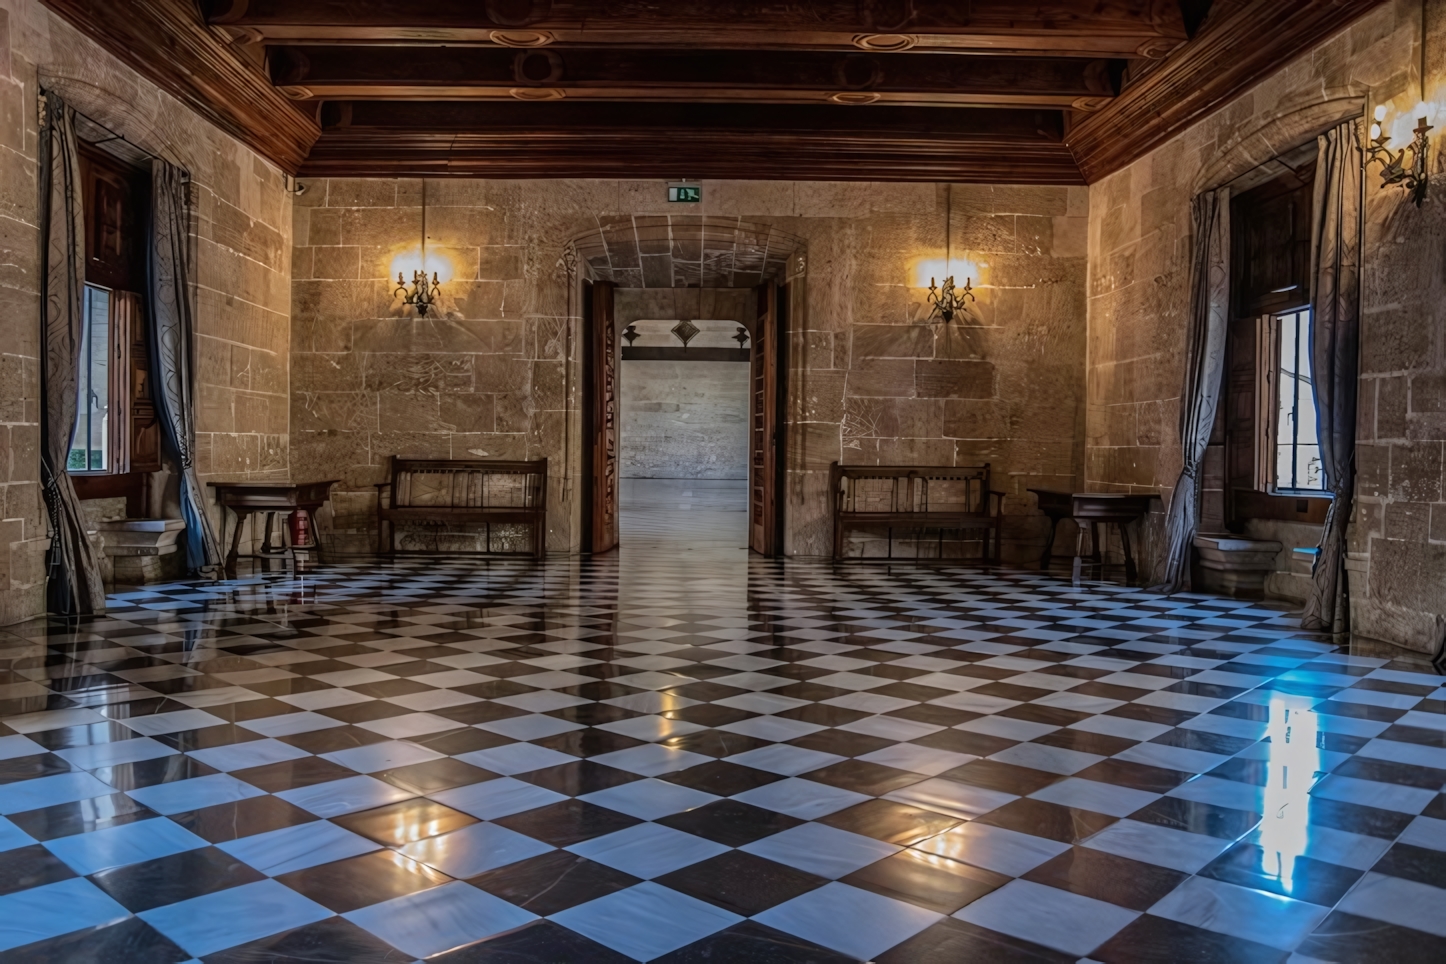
116, 431
1266, 433
1291, 434
91, 447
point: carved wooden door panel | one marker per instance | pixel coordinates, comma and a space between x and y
764, 426
600, 420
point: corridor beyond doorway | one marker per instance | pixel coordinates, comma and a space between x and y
685, 514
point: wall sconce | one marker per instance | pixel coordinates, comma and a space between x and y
948, 301
1394, 169
422, 294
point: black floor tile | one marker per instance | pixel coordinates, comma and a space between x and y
1006, 777
575, 779
333, 739
408, 821
435, 776
83, 816
131, 941
334, 940
1306, 879
741, 883
568, 822
1065, 824
540, 941
1155, 940
1347, 939
27, 867
553, 882
1104, 876
1136, 776
730, 822
347, 885
1194, 817
302, 772
721, 778
859, 776
243, 818
753, 943
170, 880
1413, 863
954, 942
894, 823
939, 884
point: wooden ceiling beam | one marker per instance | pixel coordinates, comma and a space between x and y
614, 140
165, 42
1239, 44
1122, 28
332, 71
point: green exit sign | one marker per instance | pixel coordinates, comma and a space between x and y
686, 193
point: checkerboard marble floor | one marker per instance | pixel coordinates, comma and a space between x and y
679, 753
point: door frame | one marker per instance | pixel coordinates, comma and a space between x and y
599, 474
599, 403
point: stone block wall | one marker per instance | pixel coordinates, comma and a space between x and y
1139, 245
242, 294
874, 380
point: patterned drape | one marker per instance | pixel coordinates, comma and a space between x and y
1204, 367
73, 579
1335, 348
172, 341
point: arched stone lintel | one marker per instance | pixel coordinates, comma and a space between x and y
1280, 134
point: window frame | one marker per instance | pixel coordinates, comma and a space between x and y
1267, 434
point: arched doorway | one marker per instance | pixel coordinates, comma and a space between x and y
687, 251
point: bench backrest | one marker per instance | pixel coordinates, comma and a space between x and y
468, 484
911, 488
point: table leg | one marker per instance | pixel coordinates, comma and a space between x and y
1096, 552
235, 552
1078, 554
266, 539
1130, 572
1049, 543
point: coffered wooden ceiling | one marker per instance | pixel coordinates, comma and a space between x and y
1013, 91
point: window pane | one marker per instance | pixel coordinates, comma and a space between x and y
1297, 436
89, 447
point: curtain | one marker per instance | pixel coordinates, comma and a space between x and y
73, 580
172, 341
1204, 367
1335, 320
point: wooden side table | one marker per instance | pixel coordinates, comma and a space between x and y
246, 498
1092, 509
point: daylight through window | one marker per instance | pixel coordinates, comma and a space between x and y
1297, 435
90, 445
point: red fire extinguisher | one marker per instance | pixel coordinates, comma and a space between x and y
299, 524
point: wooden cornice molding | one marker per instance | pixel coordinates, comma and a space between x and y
762, 142
367, 72
166, 42
1240, 43
1121, 28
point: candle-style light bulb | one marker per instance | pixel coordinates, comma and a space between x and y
1380, 112
1375, 131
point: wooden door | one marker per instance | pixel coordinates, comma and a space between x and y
765, 442
600, 419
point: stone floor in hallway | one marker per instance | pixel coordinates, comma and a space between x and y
682, 753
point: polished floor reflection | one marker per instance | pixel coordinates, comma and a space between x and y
681, 753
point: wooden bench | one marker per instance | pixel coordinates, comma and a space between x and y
439, 492
946, 498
